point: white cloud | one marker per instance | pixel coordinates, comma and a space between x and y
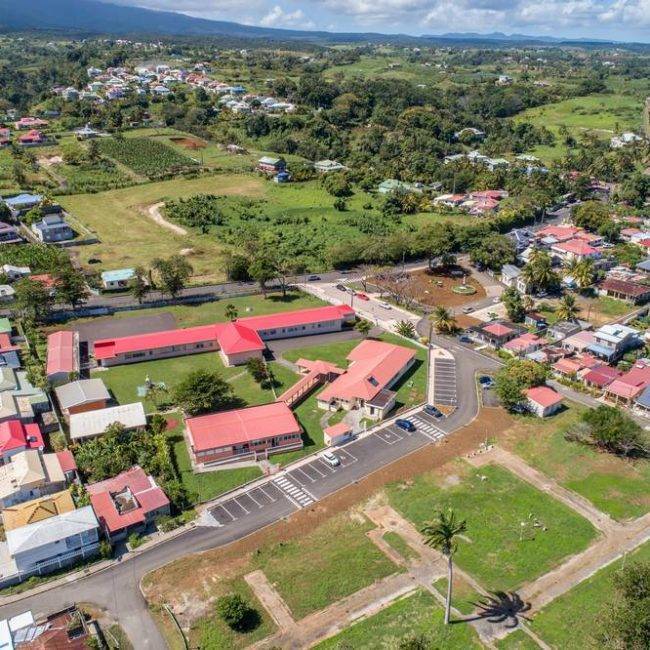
277, 17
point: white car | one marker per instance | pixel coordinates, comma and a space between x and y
496, 300
331, 459
385, 305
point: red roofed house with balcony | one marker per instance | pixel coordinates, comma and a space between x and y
374, 368
127, 502
32, 137
62, 356
601, 376
558, 233
543, 401
575, 249
524, 344
495, 334
30, 123
16, 436
237, 342
625, 388
242, 434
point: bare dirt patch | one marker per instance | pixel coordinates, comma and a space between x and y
153, 212
433, 288
189, 143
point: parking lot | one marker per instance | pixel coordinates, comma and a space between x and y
444, 382
303, 485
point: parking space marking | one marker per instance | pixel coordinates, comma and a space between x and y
347, 459
221, 508
388, 436
262, 488
244, 508
231, 502
319, 472
254, 500
299, 469
324, 464
427, 429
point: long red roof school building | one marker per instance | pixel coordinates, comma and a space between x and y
237, 342
253, 432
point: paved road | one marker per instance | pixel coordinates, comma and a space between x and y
117, 588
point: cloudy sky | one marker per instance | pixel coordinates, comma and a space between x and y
617, 19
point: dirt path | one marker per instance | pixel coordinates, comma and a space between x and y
543, 483
271, 599
153, 212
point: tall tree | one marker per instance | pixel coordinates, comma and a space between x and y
441, 534
71, 286
514, 304
172, 274
202, 391
138, 285
33, 300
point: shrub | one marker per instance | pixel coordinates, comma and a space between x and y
236, 612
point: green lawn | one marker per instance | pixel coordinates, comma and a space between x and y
416, 615
572, 619
332, 562
619, 487
499, 553
517, 640
206, 485
397, 542
464, 597
213, 312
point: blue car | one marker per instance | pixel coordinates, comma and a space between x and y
486, 381
405, 424
433, 411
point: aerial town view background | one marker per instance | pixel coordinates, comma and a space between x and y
321, 339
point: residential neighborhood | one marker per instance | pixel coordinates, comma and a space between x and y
317, 339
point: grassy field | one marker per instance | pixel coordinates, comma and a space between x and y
601, 114
332, 562
123, 381
499, 552
416, 615
397, 542
572, 619
464, 597
119, 215
517, 640
618, 487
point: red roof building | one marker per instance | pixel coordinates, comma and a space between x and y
16, 436
62, 356
543, 400
524, 344
625, 388
237, 341
253, 432
559, 233
32, 137
601, 376
575, 249
375, 366
127, 502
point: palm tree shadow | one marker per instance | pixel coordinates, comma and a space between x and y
500, 607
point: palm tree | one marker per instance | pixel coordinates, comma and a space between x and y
441, 534
568, 308
442, 320
583, 273
231, 312
406, 329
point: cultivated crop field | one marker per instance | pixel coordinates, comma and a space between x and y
144, 156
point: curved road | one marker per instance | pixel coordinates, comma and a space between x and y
116, 588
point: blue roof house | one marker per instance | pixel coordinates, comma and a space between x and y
118, 279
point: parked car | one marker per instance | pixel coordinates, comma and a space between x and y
362, 296
331, 459
313, 278
463, 338
486, 381
342, 287
429, 409
467, 310
407, 425
385, 305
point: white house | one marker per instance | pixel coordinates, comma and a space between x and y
52, 543
543, 401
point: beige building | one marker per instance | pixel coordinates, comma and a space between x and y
30, 475
37, 510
